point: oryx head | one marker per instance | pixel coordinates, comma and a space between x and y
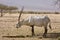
18, 25
19, 22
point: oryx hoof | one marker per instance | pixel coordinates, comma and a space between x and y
33, 35
44, 35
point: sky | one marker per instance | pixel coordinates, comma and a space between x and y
35, 5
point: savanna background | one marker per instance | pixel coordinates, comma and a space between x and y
9, 13
8, 27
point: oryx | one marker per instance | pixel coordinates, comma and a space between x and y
35, 21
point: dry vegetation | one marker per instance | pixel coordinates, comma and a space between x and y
8, 28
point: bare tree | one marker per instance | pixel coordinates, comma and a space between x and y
2, 7
57, 2
10, 8
6, 7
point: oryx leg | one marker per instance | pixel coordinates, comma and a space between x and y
45, 31
32, 30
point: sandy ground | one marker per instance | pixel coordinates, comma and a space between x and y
8, 28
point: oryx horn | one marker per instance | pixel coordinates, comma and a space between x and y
20, 13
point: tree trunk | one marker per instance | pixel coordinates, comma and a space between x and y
1, 13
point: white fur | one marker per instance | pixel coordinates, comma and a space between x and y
35, 20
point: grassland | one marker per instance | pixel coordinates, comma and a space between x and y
8, 28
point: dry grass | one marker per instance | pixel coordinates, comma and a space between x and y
8, 28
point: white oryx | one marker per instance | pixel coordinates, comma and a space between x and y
35, 21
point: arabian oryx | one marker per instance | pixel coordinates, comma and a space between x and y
36, 21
